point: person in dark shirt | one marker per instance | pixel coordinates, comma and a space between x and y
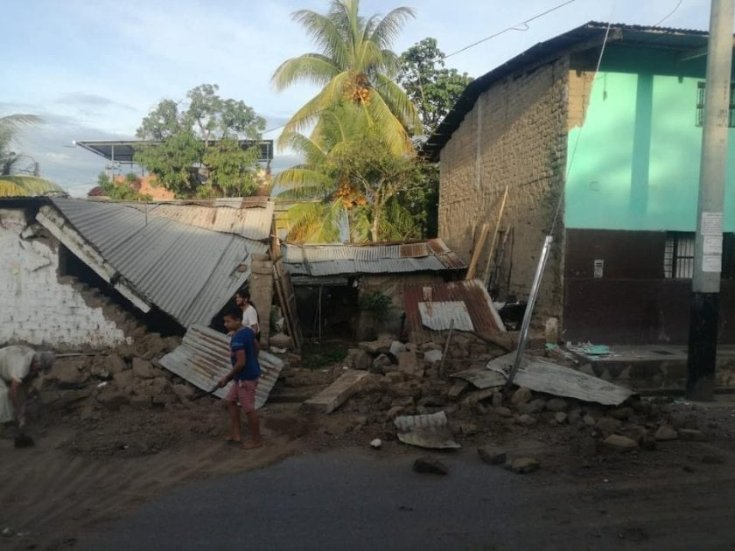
244, 376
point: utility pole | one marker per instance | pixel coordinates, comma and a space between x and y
705, 297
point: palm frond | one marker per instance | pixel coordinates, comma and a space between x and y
311, 67
390, 26
313, 222
325, 32
398, 102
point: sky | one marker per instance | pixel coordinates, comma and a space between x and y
92, 69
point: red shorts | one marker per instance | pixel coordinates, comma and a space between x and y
244, 393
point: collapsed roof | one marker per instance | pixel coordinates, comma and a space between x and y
185, 260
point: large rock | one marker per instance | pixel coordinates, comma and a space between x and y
429, 465
115, 364
665, 433
608, 426
143, 369
526, 420
183, 391
560, 417
124, 378
534, 406
376, 347
524, 465
433, 356
69, 373
281, 340
521, 396
357, 358
396, 347
556, 405
491, 455
620, 443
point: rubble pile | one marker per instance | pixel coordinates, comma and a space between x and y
407, 380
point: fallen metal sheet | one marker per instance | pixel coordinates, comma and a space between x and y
425, 431
481, 377
203, 358
438, 316
542, 375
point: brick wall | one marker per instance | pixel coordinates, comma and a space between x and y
514, 136
38, 307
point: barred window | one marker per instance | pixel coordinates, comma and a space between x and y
701, 87
679, 255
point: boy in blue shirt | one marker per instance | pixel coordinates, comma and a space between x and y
244, 376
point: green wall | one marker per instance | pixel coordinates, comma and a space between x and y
634, 165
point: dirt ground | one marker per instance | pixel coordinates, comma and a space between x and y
91, 465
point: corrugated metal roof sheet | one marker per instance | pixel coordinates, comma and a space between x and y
225, 216
438, 316
472, 294
186, 271
203, 358
591, 33
331, 260
426, 431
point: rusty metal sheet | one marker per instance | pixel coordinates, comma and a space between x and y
426, 431
331, 260
485, 319
203, 358
542, 375
438, 316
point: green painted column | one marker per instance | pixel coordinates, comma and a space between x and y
641, 158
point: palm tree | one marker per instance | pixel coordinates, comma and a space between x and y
355, 66
9, 125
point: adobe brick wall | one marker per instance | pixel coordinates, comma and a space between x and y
515, 135
38, 307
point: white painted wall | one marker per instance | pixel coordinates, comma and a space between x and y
35, 307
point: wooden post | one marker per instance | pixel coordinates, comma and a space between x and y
446, 349
486, 273
472, 270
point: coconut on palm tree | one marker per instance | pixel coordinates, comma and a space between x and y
355, 66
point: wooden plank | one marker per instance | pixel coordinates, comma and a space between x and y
287, 299
486, 273
542, 375
337, 393
472, 270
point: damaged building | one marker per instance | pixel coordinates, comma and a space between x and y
90, 274
608, 160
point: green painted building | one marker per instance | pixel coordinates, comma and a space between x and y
620, 147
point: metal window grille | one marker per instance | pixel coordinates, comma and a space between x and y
700, 105
679, 255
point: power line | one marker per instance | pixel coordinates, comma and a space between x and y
672, 12
522, 24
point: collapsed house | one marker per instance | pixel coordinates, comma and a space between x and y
175, 264
346, 290
618, 150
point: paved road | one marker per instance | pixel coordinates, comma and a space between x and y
358, 500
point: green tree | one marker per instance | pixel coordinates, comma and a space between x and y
355, 65
432, 87
122, 189
350, 174
195, 149
10, 160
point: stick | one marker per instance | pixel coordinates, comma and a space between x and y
478, 250
446, 348
486, 273
209, 393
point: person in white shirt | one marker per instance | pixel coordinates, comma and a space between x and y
18, 365
249, 314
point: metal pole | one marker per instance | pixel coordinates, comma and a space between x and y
705, 297
528, 314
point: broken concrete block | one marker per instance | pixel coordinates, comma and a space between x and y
503, 411
589, 420
608, 426
115, 364
534, 406
524, 465
433, 356
665, 433
376, 444
456, 390
491, 455
575, 416
560, 417
281, 340
376, 347
396, 347
526, 420
143, 369
521, 396
556, 404
337, 393
429, 465
358, 359
619, 443
635, 432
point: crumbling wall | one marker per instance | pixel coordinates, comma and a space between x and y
38, 307
515, 136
